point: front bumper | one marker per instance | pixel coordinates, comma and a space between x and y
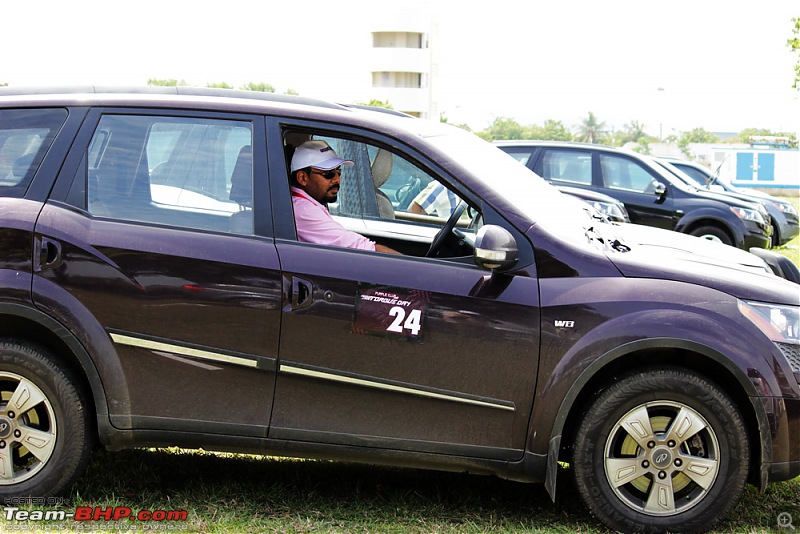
756, 235
787, 232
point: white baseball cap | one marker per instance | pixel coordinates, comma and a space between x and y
317, 154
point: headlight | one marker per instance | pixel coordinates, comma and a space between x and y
611, 211
785, 207
748, 215
779, 323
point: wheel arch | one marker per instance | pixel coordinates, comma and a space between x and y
23, 323
657, 352
715, 223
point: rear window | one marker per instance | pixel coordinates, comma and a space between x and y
180, 171
25, 136
570, 166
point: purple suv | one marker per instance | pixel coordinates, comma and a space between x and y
153, 293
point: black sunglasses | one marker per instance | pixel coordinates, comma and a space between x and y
328, 175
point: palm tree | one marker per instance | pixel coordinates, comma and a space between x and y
634, 131
590, 129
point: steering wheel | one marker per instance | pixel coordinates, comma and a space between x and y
440, 238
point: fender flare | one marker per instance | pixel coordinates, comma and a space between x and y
714, 217
67, 337
554, 445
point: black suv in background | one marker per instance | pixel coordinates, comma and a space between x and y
153, 292
652, 195
783, 215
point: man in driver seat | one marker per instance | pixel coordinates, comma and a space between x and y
315, 178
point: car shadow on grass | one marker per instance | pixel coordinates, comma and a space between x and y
224, 492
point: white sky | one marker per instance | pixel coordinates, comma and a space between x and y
722, 65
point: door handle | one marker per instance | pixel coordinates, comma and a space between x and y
50, 255
302, 293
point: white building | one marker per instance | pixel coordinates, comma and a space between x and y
759, 165
401, 64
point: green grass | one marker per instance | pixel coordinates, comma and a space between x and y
225, 492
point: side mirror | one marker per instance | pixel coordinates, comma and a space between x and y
660, 190
495, 248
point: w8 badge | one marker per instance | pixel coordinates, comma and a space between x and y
391, 312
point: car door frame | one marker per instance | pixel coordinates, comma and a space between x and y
402, 266
97, 340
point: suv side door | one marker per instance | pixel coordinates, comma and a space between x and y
142, 254
400, 353
634, 185
614, 175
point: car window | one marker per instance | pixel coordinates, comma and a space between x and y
385, 195
570, 166
401, 189
25, 136
520, 154
625, 174
402, 184
699, 176
186, 172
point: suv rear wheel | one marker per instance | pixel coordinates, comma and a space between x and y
660, 450
44, 423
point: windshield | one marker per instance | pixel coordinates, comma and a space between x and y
519, 186
686, 177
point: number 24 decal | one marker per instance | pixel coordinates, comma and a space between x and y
401, 322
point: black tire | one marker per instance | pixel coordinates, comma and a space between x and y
712, 233
619, 476
45, 423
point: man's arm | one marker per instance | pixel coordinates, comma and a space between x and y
382, 248
416, 208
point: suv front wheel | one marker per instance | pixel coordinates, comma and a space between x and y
658, 450
44, 423
712, 233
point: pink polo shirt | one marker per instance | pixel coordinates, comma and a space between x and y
315, 225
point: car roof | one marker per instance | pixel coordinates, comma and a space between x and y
216, 99
115, 93
566, 144
681, 161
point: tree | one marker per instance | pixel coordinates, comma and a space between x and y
258, 87
166, 83
503, 128
633, 132
745, 135
698, 135
377, 104
552, 130
219, 85
794, 44
591, 129
642, 146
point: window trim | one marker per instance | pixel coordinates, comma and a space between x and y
282, 210
69, 170
280, 192
53, 119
